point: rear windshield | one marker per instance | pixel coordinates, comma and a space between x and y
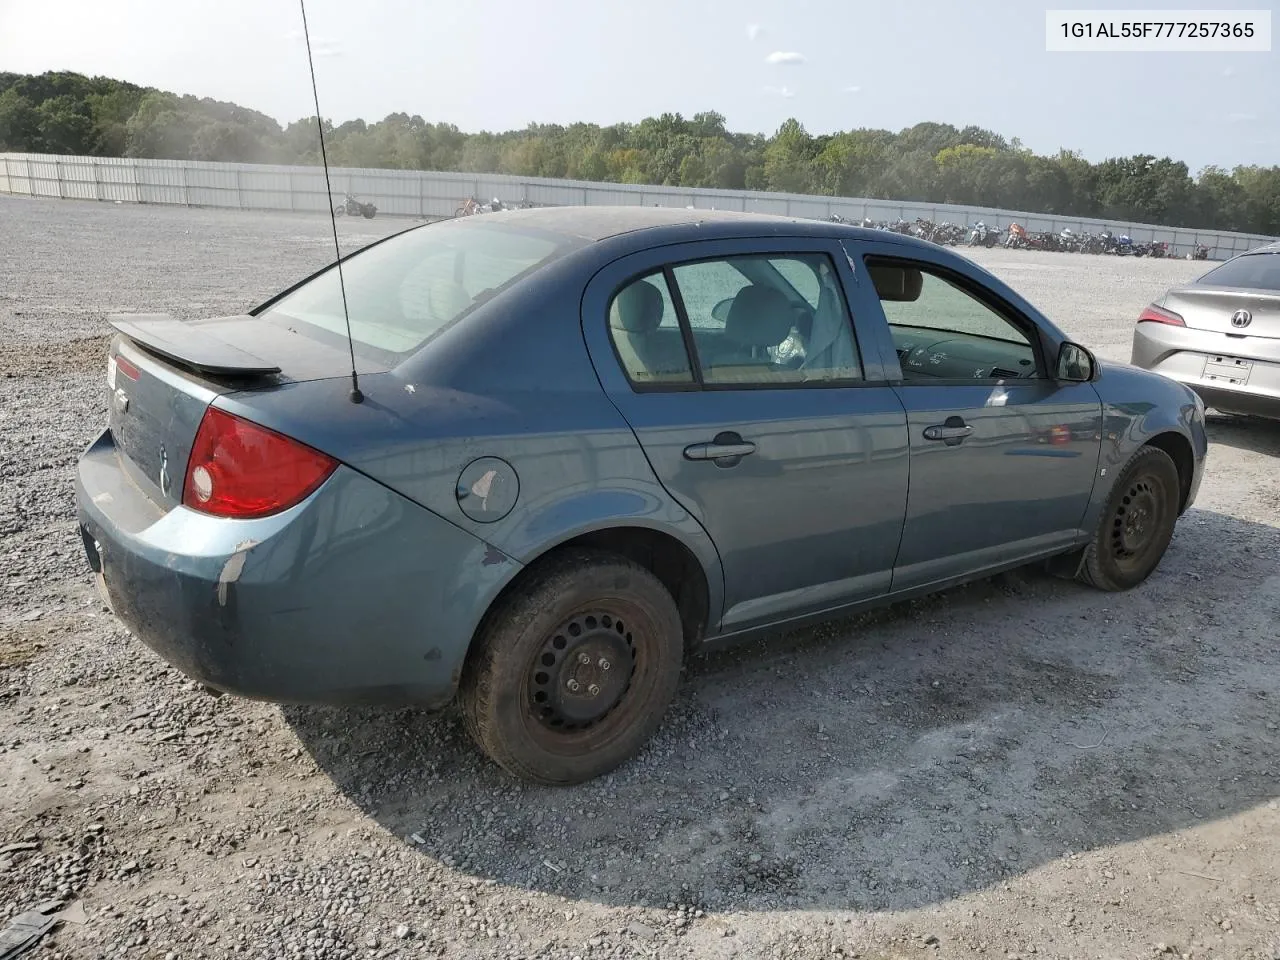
403, 291
1254, 271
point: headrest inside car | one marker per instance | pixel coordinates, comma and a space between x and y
759, 317
897, 284
638, 308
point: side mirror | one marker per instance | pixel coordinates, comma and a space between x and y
1075, 364
721, 310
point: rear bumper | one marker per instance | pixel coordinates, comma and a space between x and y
1206, 362
356, 595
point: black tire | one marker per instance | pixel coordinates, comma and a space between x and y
340, 210
368, 211
515, 689
1136, 524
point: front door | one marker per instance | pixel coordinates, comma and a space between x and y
738, 365
1003, 456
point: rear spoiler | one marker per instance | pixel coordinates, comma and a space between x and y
188, 345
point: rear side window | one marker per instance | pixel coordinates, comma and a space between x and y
403, 291
646, 333
1253, 271
753, 324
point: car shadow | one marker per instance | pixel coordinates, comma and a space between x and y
1254, 434
885, 762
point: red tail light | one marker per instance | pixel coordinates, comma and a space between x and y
1154, 314
239, 469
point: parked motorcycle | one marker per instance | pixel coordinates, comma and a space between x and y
983, 236
355, 208
1199, 252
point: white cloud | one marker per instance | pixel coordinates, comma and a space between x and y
785, 92
320, 46
753, 30
1228, 71
785, 57
852, 89
1241, 117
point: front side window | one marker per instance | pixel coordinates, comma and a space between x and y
941, 331
403, 291
753, 325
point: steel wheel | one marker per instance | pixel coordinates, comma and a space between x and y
582, 672
574, 669
1137, 519
1136, 524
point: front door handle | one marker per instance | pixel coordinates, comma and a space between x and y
950, 432
726, 450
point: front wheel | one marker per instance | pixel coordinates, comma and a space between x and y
340, 210
1136, 525
574, 669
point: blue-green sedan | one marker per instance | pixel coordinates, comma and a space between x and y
587, 442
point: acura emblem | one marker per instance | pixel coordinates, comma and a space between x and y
1241, 318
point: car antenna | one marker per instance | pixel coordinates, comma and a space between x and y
356, 395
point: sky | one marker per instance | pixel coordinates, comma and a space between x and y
831, 64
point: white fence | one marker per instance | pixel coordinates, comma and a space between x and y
413, 193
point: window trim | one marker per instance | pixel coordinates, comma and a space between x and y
682, 320
989, 299
699, 383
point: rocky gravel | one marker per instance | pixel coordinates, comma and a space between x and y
1021, 768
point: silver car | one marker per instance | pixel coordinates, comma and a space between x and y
1220, 335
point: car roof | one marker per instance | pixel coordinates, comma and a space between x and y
595, 223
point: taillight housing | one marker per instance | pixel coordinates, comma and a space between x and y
242, 470
1154, 314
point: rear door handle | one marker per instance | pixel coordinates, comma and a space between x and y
726, 450
951, 432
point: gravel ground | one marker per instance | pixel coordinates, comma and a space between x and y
1023, 767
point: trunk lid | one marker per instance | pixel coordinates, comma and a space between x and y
163, 373
1212, 308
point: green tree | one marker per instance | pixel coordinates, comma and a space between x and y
19, 123
788, 159
69, 113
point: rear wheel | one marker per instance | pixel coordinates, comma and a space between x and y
1136, 525
573, 672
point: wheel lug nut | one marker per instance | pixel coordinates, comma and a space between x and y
584, 659
603, 664
593, 690
573, 685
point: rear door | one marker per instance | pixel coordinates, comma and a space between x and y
742, 369
1003, 456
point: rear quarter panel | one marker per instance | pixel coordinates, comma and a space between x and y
513, 382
